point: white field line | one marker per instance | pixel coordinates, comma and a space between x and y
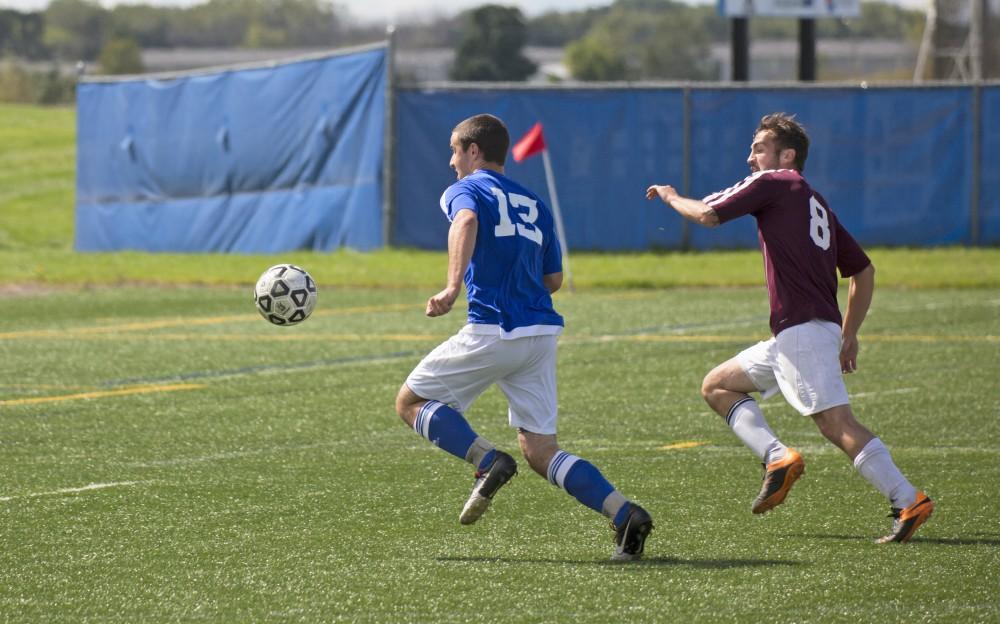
937, 305
267, 450
734, 448
767, 403
318, 366
865, 395
227, 455
74, 490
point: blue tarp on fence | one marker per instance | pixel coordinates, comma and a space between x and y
894, 163
288, 157
254, 160
605, 145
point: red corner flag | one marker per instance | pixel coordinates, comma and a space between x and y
530, 144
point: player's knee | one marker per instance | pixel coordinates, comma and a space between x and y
405, 407
710, 386
838, 423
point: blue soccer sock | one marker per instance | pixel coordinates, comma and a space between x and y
448, 429
584, 482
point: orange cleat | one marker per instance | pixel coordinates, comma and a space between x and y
779, 477
906, 521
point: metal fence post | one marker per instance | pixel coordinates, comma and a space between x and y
977, 164
389, 141
686, 174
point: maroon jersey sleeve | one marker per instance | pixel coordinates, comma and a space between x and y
745, 197
851, 258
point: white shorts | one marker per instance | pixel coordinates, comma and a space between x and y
464, 366
803, 362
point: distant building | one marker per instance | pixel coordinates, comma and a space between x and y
769, 60
837, 59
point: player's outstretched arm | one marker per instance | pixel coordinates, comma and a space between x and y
691, 209
461, 243
859, 299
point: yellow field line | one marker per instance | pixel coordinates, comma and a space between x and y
718, 338
681, 445
189, 322
103, 393
663, 338
279, 335
44, 386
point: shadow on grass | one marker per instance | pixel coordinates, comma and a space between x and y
978, 539
710, 564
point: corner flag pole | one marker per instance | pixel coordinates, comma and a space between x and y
557, 215
530, 144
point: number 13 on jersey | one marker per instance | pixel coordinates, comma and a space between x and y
526, 227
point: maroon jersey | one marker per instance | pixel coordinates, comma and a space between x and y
802, 241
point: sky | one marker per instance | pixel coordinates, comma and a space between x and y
400, 11
376, 10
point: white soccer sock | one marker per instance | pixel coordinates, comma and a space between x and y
876, 465
747, 422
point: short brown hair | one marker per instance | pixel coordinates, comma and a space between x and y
788, 134
489, 133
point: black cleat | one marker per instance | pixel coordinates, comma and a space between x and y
488, 482
630, 536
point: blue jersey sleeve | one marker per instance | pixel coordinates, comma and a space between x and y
552, 255
457, 197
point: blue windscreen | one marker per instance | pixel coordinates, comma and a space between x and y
605, 146
895, 164
256, 160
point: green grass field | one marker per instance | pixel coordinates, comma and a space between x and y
167, 455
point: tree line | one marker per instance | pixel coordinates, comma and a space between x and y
627, 39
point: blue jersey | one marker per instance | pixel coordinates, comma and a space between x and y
515, 247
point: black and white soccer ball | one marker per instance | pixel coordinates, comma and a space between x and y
285, 294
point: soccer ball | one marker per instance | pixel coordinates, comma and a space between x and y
285, 294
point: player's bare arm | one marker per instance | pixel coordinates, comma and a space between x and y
552, 281
461, 243
859, 299
691, 209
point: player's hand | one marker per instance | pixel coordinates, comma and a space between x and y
442, 302
665, 192
849, 354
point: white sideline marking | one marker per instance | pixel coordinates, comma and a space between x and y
183, 461
264, 450
92, 486
880, 392
939, 305
765, 404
